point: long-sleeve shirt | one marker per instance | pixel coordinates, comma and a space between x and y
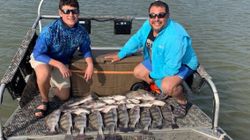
59, 42
171, 48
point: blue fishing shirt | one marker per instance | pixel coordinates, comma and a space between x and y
171, 48
59, 42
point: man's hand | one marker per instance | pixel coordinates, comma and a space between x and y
64, 70
88, 73
89, 70
112, 57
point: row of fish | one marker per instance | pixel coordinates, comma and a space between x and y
113, 112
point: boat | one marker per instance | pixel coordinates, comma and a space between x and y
109, 79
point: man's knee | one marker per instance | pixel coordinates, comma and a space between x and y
167, 89
63, 94
64, 98
171, 87
137, 73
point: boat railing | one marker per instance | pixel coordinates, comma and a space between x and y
38, 21
216, 101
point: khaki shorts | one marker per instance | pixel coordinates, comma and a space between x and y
56, 77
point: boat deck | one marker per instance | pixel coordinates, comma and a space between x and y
23, 122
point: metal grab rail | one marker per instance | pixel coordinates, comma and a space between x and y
216, 105
97, 18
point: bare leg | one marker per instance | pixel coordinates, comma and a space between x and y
62, 94
172, 87
141, 72
43, 74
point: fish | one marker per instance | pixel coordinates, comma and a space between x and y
96, 121
129, 106
80, 123
166, 111
78, 110
145, 104
156, 117
140, 95
134, 95
120, 102
94, 104
123, 118
108, 101
110, 120
118, 97
89, 98
66, 122
107, 108
157, 102
134, 116
133, 101
52, 120
145, 120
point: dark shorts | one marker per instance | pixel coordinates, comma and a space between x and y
183, 73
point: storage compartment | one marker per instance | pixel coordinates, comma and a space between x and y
108, 78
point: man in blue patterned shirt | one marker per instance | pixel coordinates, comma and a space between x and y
53, 51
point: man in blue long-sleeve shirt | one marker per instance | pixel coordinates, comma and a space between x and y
168, 54
53, 51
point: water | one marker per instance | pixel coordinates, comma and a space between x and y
219, 29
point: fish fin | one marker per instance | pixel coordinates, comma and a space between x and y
79, 137
68, 137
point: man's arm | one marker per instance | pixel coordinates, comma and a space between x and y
62, 68
132, 45
41, 48
90, 68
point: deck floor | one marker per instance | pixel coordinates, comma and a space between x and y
23, 121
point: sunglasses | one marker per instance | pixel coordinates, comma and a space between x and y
160, 15
67, 11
